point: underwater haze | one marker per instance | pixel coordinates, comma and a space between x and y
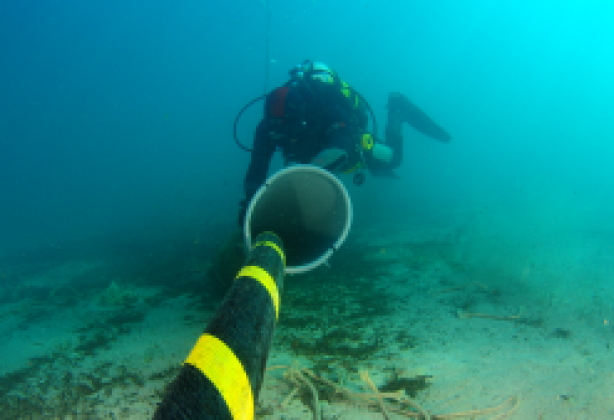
116, 118
481, 278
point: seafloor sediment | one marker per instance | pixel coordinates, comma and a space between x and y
401, 323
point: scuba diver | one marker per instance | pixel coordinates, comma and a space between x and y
319, 119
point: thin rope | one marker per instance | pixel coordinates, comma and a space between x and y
267, 60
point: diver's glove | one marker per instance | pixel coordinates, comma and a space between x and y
242, 212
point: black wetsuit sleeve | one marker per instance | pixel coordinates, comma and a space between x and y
262, 153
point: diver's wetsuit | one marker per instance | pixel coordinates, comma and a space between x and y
317, 118
327, 123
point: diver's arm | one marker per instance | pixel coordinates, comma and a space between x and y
258, 168
338, 143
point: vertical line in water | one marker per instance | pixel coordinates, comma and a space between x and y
267, 60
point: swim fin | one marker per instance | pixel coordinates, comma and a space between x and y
414, 116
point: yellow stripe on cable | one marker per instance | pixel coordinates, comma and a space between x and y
275, 247
266, 280
218, 363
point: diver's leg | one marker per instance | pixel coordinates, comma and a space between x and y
394, 133
415, 117
384, 157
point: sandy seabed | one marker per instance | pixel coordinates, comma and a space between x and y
419, 312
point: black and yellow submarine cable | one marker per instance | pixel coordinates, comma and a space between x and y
221, 377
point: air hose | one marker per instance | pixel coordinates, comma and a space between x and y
253, 101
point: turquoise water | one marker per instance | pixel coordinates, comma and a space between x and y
120, 181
